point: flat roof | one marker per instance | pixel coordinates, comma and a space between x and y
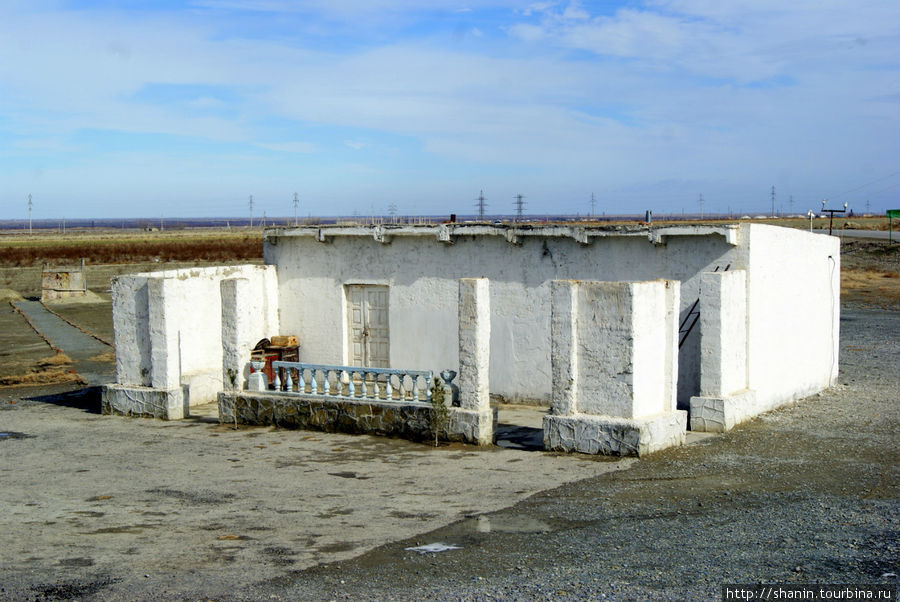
513, 233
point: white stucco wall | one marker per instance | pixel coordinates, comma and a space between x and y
168, 325
423, 272
793, 292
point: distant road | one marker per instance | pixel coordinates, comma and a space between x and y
880, 234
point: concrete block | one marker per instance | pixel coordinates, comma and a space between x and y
608, 435
168, 404
614, 347
720, 414
473, 426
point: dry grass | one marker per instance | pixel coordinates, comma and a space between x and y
46, 371
109, 356
871, 287
45, 377
220, 246
60, 359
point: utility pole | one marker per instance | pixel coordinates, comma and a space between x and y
520, 205
251, 210
791, 205
868, 207
296, 204
29, 214
593, 205
480, 205
392, 211
700, 202
773, 201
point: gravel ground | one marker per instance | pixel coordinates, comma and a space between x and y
805, 494
808, 493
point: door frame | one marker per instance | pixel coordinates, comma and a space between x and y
346, 288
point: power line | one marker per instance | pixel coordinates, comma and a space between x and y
868, 184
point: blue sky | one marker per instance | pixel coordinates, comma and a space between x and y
180, 109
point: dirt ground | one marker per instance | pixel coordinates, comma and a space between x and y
106, 508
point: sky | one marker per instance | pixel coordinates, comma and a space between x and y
165, 108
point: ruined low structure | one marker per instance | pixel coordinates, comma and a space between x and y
63, 283
628, 335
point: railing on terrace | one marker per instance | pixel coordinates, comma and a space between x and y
353, 382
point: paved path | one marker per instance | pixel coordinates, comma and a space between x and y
79, 346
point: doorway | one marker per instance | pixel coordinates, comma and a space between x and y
367, 326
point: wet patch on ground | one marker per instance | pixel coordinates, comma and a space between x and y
198, 497
72, 589
6, 435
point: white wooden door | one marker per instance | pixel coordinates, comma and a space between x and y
367, 321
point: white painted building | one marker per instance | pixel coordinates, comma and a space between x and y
765, 299
792, 292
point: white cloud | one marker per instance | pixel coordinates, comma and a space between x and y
674, 90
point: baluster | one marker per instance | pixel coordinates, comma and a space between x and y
313, 385
301, 382
389, 388
289, 385
364, 392
277, 382
415, 386
352, 387
326, 386
375, 386
428, 380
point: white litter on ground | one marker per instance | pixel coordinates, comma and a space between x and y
431, 548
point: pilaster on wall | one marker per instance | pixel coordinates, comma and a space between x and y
563, 346
614, 365
474, 343
236, 332
165, 365
724, 399
723, 333
474, 420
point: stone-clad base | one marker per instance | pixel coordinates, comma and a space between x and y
473, 426
720, 414
168, 404
341, 415
590, 434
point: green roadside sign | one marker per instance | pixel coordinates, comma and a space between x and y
891, 213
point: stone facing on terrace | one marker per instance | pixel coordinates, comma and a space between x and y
334, 415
